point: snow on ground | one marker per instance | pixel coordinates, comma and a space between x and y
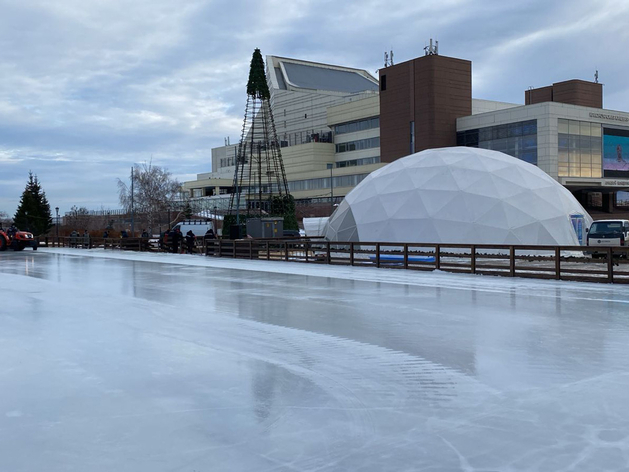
161, 362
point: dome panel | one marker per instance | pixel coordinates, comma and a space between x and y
458, 195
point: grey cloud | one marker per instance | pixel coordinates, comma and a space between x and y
86, 89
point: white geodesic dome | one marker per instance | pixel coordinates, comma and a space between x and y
458, 195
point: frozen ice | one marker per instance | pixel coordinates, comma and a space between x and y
160, 362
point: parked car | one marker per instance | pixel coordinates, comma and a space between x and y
607, 233
198, 227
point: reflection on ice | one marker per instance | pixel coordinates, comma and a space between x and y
158, 362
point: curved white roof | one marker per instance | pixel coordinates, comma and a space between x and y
458, 195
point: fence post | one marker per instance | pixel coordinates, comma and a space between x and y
329, 253
610, 265
406, 256
286, 251
234, 249
437, 257
377, 254
220, 248
351, 253
473, 259
306, 244
268, 251
512, 261
251, 249
557, 263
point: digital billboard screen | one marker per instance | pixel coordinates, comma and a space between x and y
616, 152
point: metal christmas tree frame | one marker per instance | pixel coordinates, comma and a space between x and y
260, 178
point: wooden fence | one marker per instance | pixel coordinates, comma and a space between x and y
608, 265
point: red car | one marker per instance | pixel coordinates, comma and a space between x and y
17, 240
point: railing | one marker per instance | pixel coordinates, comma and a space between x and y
543, 262
127, 244
610, 264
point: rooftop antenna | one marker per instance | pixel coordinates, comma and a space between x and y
391, 56
596, 77
386, 59
432, 50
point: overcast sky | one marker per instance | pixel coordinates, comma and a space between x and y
87, 88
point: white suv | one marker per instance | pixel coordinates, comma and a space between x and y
606, 233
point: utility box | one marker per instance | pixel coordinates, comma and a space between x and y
265, 227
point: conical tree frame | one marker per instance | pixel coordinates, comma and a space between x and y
260, 175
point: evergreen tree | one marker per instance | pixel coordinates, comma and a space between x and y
257, 86
33, 213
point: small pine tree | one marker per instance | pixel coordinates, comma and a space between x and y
33, 213
187, 212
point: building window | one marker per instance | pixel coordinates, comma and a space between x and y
358, 145
324, 182
359, 162
579, 149
383, 83
359, 125
516, 139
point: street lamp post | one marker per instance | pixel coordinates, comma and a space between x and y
331, 166
132, 209
57, 225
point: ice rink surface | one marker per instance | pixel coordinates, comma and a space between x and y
157, 362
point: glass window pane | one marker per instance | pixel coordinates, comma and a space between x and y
584, 128
515, 129
562, 126
586, 172
563, 157
529, 142
595, 129
563, 141
574, 127
529, 127
484, 134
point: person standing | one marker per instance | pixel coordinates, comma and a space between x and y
73, 238
176, 239
190, 241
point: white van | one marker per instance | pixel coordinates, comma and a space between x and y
198, 227
606, 233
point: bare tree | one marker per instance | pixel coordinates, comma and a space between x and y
78, 218
153, 189
5, 221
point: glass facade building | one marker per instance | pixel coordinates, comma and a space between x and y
579, 148
516, 139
